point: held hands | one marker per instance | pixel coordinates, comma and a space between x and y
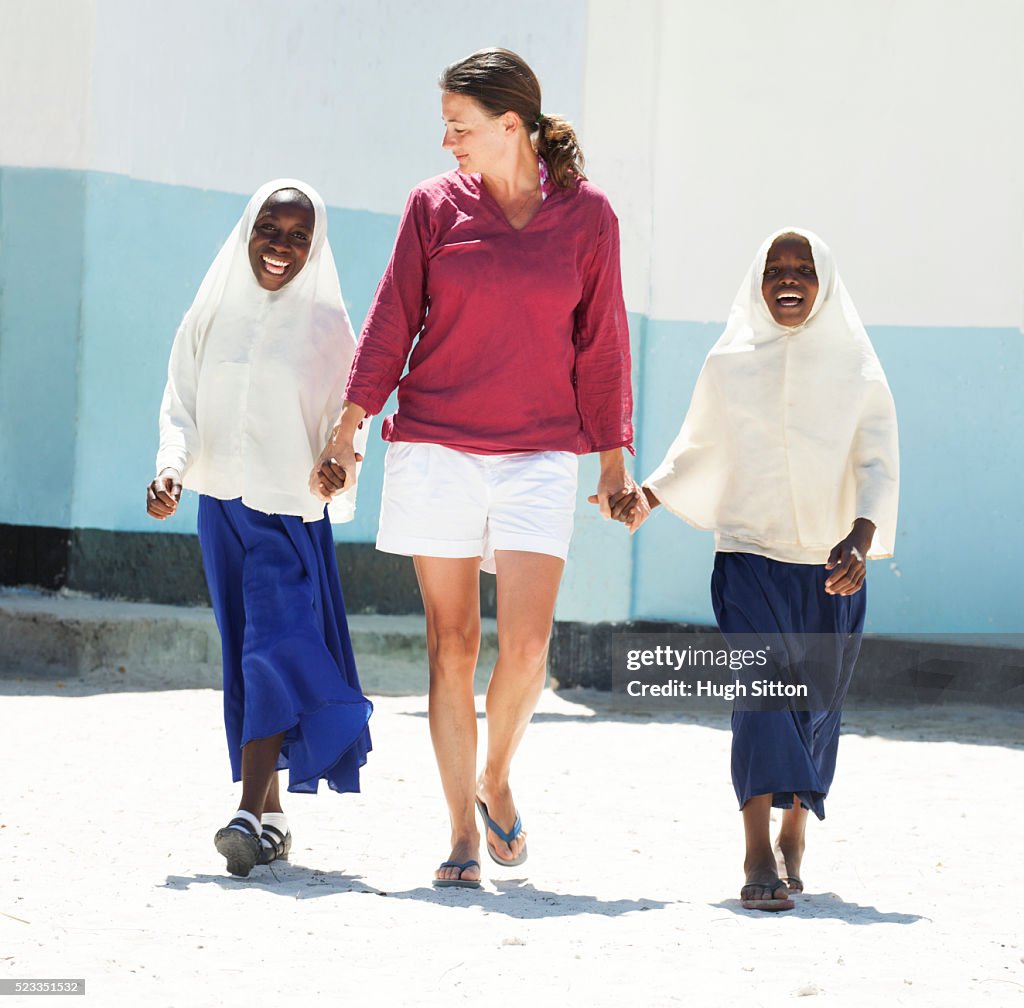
618, 495
335, 470
631, 505
163, 494
846, 561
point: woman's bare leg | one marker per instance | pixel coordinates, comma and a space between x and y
451, 600
527, 589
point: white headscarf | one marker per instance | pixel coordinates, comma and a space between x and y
791, 431
256, 378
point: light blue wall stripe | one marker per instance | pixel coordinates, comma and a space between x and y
598, 581
961, 538
41, 254
670, 557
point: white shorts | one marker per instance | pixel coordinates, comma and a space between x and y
440, 502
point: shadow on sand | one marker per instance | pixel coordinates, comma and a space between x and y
515, 898
824, 906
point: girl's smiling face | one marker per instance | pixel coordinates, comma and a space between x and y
281, 238
790, 283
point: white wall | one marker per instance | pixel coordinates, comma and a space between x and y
895, 128
622, 120
46, 64
221, 94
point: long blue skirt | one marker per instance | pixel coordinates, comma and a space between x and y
787, 751
288, 663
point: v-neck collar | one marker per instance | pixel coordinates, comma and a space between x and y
547, 188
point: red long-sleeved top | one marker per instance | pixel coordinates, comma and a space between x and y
523, 342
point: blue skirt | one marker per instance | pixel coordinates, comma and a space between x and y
288, 663
785, 752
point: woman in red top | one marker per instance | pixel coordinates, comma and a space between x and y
504, 297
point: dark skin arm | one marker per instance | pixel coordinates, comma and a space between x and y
846, 561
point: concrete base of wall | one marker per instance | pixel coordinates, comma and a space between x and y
120, 645
167, 568
974, 669
137, 646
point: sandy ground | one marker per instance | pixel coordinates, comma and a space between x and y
109, 802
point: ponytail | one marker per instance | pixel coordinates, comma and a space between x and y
558, 146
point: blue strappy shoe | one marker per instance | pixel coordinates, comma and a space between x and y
460, 882
490, 824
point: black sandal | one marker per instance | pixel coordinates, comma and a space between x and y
280, 845
242, 849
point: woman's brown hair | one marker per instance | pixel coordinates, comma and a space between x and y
500, 81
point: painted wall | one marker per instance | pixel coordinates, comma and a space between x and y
160, 133
895, 130
130, 141
41, 261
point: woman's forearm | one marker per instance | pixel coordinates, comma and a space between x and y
351, 416
612, 461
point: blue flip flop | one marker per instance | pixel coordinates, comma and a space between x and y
490, 824
457, 883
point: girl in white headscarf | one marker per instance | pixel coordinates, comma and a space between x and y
256, 376
789, 454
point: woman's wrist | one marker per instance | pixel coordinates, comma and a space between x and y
344, 431
612, 462
340, 436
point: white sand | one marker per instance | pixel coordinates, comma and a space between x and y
109, 803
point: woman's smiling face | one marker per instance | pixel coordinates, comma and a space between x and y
790, 283
281, 238
477, 140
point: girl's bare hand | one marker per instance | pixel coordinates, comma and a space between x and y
163, 494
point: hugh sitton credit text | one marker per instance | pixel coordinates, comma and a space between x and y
727, 691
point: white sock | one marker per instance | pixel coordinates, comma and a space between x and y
278, 820
249, 818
